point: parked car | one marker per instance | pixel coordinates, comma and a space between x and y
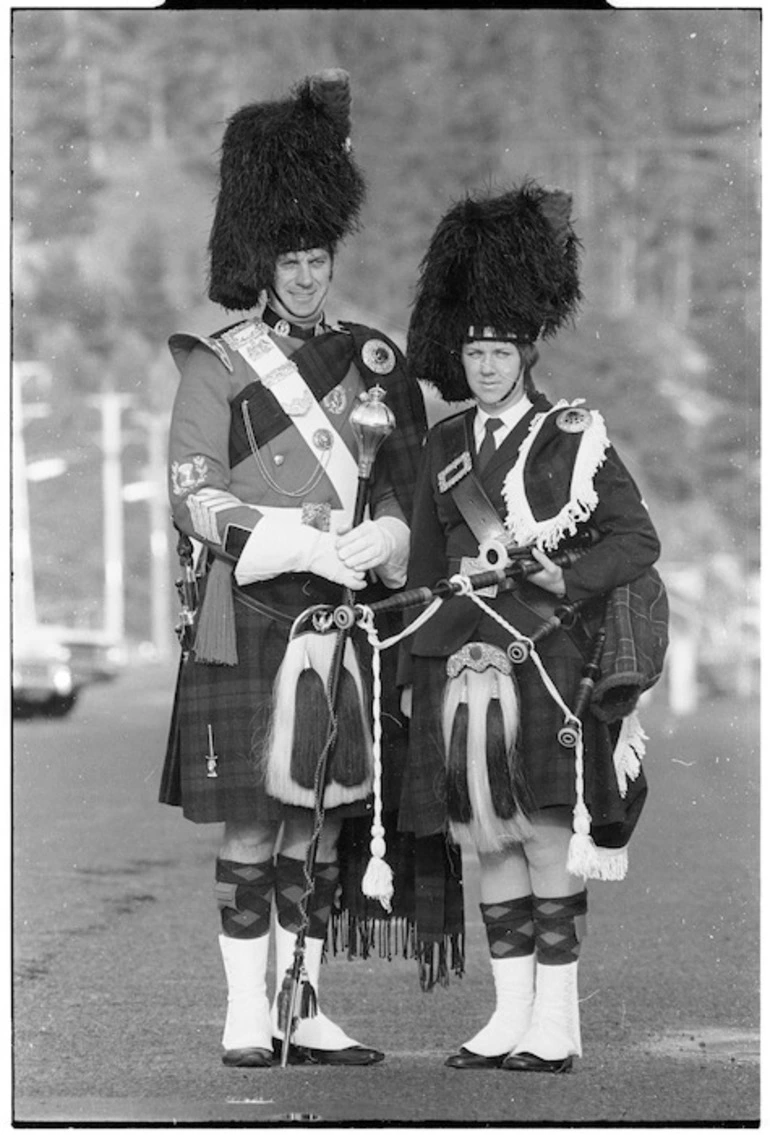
93, 657
43, 682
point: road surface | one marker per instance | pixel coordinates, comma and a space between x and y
119, 992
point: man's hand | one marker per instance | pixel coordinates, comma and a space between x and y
551, 578
366, 546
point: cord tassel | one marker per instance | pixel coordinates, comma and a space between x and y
215, 641
306, 1000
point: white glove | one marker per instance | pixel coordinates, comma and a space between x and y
382, 544
406, 701
278, 545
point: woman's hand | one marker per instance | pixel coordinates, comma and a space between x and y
551, 578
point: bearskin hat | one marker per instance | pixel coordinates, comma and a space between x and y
505, 265
288, 181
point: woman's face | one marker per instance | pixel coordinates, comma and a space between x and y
494, 373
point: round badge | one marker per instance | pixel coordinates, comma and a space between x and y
574, 420
282, 328
378, 356
322, 439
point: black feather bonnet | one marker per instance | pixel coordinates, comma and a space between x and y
288, 181
507, 265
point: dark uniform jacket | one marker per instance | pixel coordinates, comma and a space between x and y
627, 541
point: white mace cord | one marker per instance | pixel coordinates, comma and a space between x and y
377, 882
583, 858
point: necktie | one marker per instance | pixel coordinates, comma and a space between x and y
488, 447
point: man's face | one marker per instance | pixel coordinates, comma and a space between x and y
302, 281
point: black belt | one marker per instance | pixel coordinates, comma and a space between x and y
261, 608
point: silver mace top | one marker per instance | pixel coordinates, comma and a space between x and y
372, 421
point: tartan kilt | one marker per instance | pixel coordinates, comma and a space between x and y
548, 767
236, 702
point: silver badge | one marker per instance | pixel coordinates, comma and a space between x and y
317, 515
477, 656
282, 327
322, 439
336, 400
574, 420
378, 356
295, 407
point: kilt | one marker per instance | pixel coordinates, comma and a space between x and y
548, 767
236, 701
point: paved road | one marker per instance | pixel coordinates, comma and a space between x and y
118, 995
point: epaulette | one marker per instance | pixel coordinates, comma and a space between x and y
183, 343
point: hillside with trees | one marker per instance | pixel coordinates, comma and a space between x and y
650, 118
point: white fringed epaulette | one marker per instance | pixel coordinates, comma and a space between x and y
582, 500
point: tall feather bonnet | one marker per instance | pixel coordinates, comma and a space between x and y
503, 267
288, 181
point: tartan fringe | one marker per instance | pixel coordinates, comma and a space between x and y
437, 959
363, 937
388, 938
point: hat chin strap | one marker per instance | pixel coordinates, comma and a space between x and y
286, 313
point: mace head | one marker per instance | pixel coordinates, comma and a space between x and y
372, 421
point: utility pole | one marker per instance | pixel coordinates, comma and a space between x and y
156, 427
24, 602
111, 404
25, 614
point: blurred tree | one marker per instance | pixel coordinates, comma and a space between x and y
650, 118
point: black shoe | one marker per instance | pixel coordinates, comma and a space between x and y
528, 1062
467, 1059
248, 1058
355, 1054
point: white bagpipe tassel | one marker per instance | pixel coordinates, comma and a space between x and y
377, 882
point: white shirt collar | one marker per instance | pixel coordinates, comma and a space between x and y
510, 417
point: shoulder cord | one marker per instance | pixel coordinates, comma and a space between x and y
309, 485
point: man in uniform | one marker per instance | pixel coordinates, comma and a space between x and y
263, 476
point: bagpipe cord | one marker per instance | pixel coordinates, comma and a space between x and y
377, 882
378, 878
581, 850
